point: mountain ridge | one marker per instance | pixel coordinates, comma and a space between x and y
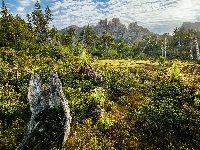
191, 25
115, 27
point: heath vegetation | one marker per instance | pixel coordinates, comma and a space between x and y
148, 95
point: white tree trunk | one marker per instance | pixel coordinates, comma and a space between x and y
162, 48
73, 41
191, 51
165, 48
197, 49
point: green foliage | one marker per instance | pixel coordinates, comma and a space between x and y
119, 82
97, 97
169, 116
161, 60
152, 108
174, 72
104, 122
84, 59
92, 139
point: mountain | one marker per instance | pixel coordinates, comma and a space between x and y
190, 25
119, 30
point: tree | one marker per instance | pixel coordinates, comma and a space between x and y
55, 36
4, 10
15, 32
5, 26
107, 40
88, 37
164, 43
197, 49
39, 22
71, 37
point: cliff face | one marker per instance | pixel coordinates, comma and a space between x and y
119, 30
190, 25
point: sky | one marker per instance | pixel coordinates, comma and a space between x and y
159, 16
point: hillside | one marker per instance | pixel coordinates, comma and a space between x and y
74, 92
190, 25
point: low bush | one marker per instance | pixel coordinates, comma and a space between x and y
118, 82
170, 116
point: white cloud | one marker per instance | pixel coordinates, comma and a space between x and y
56, 5
28, 2
25, 2
20, 9
56, 12
156, 15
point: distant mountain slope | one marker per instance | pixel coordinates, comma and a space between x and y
119, 30
190, 25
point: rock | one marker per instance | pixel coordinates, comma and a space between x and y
49, 125
190, 25
119, 30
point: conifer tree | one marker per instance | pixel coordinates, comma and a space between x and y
88, 37
14, 31
39, 22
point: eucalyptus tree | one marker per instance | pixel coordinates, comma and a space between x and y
181, 41
194, 36
55, 36
190, 37
197, 48
178, 36
120, 46
150, 43
147, 41
165, 43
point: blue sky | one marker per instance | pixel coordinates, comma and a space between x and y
158, 16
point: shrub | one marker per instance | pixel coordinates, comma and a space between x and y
97, 97
118, 82
170, 116
104, 122
174, 72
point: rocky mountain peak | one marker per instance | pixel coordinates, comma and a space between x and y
190, 25
119, 30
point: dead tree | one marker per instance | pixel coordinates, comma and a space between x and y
197, 49
49, 125
90, 73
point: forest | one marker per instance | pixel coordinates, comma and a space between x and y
148, 89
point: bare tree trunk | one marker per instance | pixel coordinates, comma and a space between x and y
191, 51
50, 43
197, 49
49, 125
162, 48
156, 40
73, 41
165, 48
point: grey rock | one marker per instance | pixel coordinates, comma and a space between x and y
119, 30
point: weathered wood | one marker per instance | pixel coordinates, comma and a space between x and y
49, 125
90, 73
